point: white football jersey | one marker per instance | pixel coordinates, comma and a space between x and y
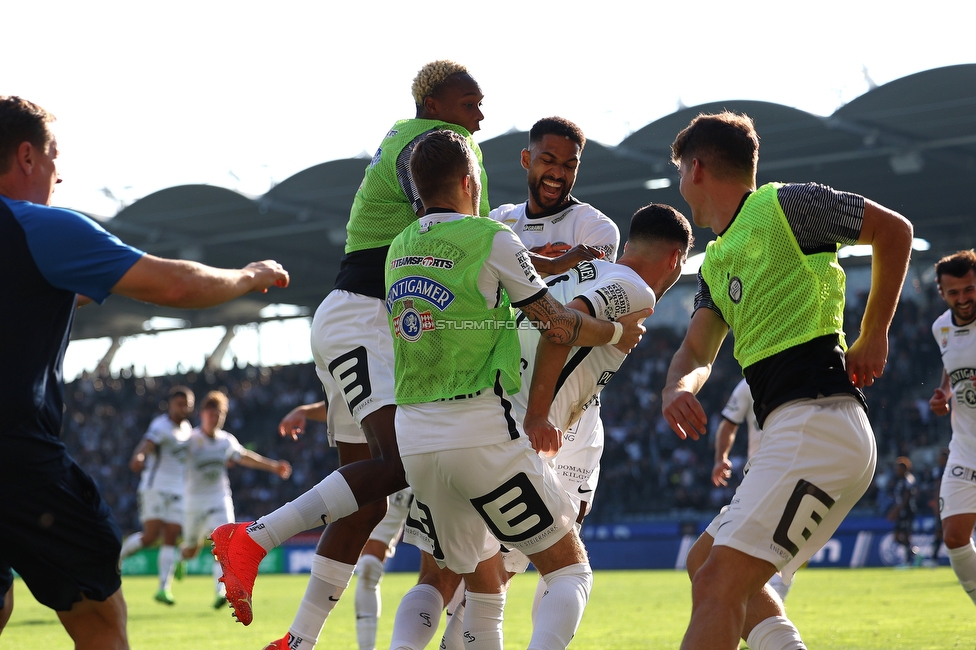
164, 470
739, 409
958, 348
577, 223
612, 290
207, 484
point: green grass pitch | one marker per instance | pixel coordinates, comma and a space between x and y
833, 608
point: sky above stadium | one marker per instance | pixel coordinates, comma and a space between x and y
245, 94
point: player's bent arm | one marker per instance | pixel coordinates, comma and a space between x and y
255, 460
565, 326
890, 237
724, 439
138, 460
564, 262
939, 403
550, 358
689, 369
181, 283
293, 424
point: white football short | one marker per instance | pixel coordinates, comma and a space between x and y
201, 522
353, 351
578, 462
468, 500
816, 459
957, 494
157, 505
388, 531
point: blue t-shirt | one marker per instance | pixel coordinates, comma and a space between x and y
48, 255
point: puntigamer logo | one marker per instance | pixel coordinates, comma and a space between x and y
419, 287
418, 260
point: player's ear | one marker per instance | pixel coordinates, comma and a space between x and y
526, 158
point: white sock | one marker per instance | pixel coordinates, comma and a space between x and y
417, 618
167, 566
561, 608
483, 621
963, 561
330, 499
369, 572
540, 591
131, 544
775, 633
780, 587
453, 638
325, 585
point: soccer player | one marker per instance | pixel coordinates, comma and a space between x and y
772, 277
380, 546
161, 456
457, 361
55, 259
353, 352
737, 410
955, 331
552, 223
209, 452
902, 511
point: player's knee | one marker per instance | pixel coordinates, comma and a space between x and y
370, 570
372, 514
956, 536
698, 554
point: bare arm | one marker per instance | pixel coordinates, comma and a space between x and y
565, 326
939, 403
549, 361
724, 439
890, 237
138, 460
565, 258
256, 461
180, 283
689, 369
293, 424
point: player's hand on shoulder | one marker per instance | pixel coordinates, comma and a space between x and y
266, 274
634, 329
575, 255
684, 413
545, 438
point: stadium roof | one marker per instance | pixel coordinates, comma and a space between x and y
909, 145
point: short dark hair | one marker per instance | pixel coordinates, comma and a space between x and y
727, 142
957, 265
439, 159
181, 390
21, 121
660, 222
556, 126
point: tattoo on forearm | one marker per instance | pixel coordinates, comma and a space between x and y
560, 325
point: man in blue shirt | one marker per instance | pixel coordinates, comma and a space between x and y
55, 529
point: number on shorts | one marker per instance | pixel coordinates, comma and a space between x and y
425, 524
514, 512
351, 372
807, 507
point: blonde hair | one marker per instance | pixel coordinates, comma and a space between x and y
432, 76
216, 399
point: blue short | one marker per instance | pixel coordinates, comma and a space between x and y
61, 538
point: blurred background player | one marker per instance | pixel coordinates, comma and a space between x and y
737, 410
786, 308
209, 503
382, 542
161, 458
353, 352
54, 260
934, 504
955, 333
902, 511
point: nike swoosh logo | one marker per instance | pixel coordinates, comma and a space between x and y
582, 491
335, 600
722, 524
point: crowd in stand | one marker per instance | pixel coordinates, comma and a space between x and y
647, 472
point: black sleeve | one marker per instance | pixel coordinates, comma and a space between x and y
704, 298
404, 177
821, 217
